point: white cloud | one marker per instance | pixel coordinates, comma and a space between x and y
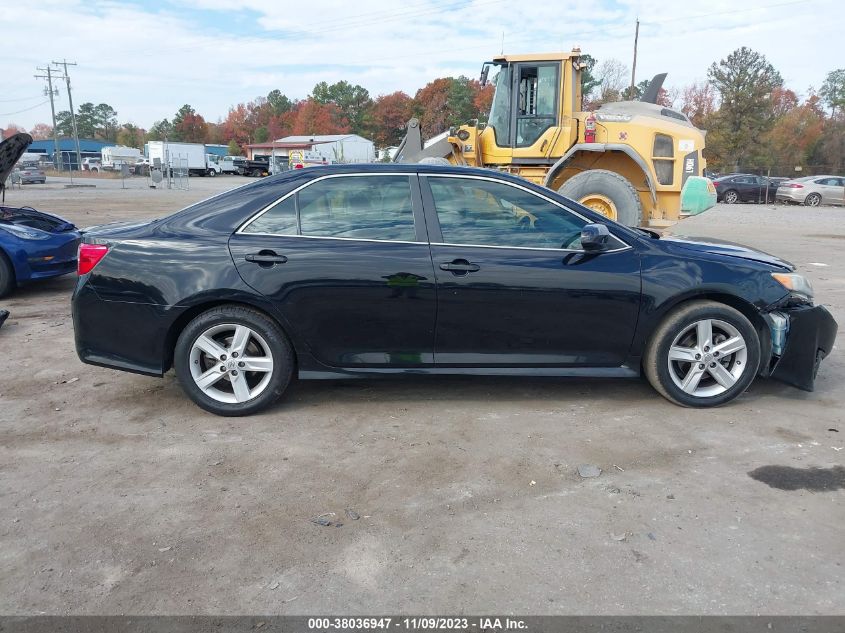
146, 62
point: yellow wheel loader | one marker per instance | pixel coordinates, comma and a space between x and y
636, 162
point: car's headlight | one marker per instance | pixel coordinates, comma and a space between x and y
798, 285
24, 232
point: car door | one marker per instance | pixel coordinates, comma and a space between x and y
513, 286
346, 261
831, 190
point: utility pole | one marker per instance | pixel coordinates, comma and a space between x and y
634, 65
57, 155
65, 63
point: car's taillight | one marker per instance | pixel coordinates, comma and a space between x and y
795, 186
89, 256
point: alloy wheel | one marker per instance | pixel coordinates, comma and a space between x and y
813, 200
231, 363
707, 358
731, 197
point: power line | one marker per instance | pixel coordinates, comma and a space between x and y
38, 105
21, 99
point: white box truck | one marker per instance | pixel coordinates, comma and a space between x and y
189, 157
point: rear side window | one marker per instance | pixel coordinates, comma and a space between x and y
353, 207
280, 219
358, 207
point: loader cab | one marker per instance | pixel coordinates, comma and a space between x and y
531, 115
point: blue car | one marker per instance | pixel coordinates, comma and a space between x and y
33, 244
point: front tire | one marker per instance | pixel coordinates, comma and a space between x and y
606, 192
704, 354
211, 173
233, 361
7, 276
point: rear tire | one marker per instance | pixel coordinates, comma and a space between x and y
813, 200
730, 197
608, 185
722, 348
7, 276
240, 338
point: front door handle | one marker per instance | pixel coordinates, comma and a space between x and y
460, 267
266, 258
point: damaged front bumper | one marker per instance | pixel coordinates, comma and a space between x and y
801, 336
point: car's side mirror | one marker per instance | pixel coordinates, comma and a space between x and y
594, 237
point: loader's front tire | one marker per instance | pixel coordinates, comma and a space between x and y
606, 192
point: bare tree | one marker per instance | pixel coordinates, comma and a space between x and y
613, 76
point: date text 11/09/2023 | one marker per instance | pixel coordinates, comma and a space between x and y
418, 623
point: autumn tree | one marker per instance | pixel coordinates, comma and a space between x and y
390, 113
445, 102
745, 81
795, 134
41, 131
698, 102
315, 118
131, 136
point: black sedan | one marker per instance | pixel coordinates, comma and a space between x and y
348, 271
745, 188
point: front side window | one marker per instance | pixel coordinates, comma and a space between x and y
500, 111
486, 213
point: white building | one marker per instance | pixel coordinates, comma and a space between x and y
338, 148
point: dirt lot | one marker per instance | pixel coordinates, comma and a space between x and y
119, 496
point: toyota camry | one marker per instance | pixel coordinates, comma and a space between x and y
364, 270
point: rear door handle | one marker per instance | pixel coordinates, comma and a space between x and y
459, 266
266, 258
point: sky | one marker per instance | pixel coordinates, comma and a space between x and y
146, 59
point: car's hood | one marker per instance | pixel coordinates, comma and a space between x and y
11, 150
720, 247
32, 218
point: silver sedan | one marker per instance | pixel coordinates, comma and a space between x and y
812, 191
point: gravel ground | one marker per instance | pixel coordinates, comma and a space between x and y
118, 496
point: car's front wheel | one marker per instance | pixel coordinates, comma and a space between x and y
233, 361
704, 354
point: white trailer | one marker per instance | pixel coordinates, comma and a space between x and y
189, 157
113, 158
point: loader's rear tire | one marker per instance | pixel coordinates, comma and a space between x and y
606, 192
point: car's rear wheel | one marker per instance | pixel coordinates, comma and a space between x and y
731, 197
7, 275
704, 354
813, 200
233, 361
